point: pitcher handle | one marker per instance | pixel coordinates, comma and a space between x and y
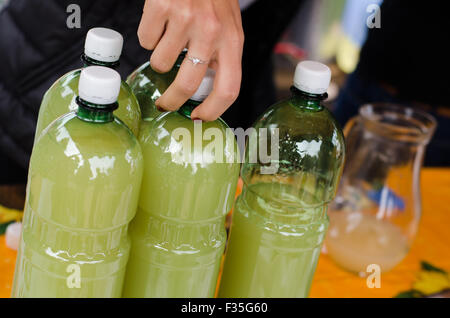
349, 125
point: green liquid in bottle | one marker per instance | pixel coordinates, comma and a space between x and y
148, 85
274, 244
178, 235
60, 99
83, 186
280, 220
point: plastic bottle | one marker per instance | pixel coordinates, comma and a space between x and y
280, 219
82, 192
190, 177
103, 47
148, 85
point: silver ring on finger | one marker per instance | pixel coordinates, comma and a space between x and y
196, 60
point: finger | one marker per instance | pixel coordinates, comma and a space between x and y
226, 87
169, 47
236, 9
188, 78
153, 21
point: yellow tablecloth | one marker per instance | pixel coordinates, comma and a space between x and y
432, 245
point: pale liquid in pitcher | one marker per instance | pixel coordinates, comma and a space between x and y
356, 240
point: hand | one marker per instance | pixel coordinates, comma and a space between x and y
212, 32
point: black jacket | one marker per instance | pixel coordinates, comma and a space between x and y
37, 47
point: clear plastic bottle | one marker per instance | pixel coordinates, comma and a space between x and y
178, 235
82, 192
103, 47
280, 219
148, 85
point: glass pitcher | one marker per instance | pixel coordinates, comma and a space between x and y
376, 213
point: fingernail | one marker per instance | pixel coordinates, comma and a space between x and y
159, 108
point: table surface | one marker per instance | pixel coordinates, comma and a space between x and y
432, 245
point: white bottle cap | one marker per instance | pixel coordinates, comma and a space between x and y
206, 86
312, 77
12, 238
104, 45
99, 85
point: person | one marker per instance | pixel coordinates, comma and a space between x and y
404, 62
37, 47
212, 31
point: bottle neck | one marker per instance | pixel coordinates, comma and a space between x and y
87, 61
188, 107
95, 113
304, 100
